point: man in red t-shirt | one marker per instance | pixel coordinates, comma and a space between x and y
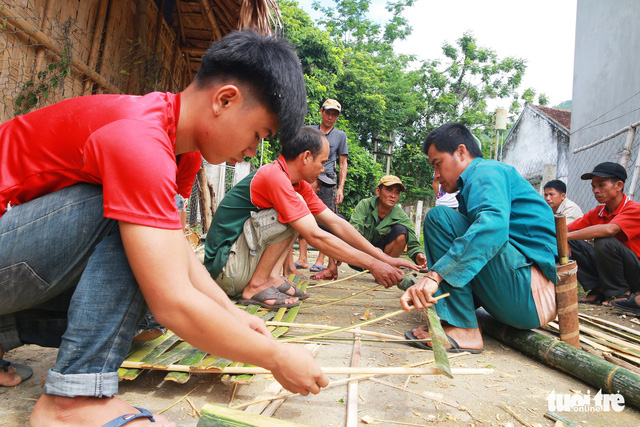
90, 231
609, 269
256, 223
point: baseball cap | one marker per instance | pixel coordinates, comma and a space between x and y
332, 104
389, 180
325, 179
607, 170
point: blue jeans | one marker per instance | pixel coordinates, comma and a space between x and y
502, 287
65, 281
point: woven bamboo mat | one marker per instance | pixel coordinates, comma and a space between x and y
169, 349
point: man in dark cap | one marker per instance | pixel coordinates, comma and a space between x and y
609, 269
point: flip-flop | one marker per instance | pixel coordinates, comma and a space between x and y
316, 268
629, 305
455, 347
607, 302
419, 344
269, 293
299, 267
23, 371
126, 418
325, 274
298, 293
597, 300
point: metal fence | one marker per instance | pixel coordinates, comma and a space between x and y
71, 48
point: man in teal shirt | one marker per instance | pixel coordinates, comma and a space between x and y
497, 252
382, 222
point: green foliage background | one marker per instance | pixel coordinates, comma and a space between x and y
349, 57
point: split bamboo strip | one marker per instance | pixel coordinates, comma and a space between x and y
613, 331
214, 415
635, 348
165, 342
345, 299
333, 282
439, 342
591, 369
327, 327
352, 386
615, 325
254, 370
345, 328
558, 418
195, 356
346, 380
179, 400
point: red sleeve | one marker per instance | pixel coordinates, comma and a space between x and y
629, 220
136, 164
314, 203
188, 166
584, 221
272, 188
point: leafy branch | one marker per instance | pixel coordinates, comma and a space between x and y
47, 80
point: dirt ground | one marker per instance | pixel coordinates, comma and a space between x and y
518, 386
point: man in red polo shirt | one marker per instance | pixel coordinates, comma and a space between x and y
609, 269
90, 233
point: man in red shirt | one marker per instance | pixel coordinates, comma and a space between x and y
255, 225
609, 269
90, 233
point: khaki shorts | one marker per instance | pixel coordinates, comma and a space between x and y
259, 231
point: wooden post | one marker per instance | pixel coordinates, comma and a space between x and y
418, 218
567, 288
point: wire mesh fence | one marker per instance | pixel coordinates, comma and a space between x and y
67, 48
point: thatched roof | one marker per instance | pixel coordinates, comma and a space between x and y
197, 23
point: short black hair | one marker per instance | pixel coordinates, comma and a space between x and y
449, 136
307, 138
268, 66
557, 185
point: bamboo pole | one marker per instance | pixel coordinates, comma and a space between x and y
567, 287
587, 367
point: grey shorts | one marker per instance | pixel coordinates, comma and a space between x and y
259, 231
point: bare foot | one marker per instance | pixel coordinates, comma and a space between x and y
10, 379
304, 264
52, 410
466, 338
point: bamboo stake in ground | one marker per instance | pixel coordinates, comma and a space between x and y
352, 387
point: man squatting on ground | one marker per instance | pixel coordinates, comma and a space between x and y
497, 252
91, 182
555, 194
609, 269
255, 225
331, 195
383, 223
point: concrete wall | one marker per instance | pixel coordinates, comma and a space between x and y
606, 88
533, 146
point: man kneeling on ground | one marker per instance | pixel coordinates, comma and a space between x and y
383, 223
497, 252
256, 223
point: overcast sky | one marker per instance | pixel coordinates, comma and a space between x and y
542, 32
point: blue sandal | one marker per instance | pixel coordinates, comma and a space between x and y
316, 268
124, 419
23, 371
